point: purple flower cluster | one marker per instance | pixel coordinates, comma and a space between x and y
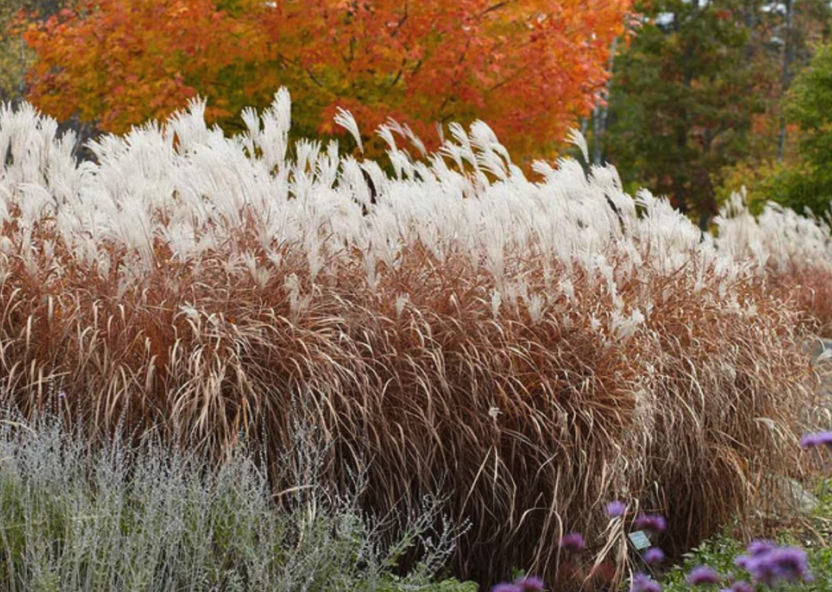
761, 547
769, 564
650, 522
653, 555
522, 584
741, 586
504, 587
817, 440
644, 583
703, 576
573, 542
616, 509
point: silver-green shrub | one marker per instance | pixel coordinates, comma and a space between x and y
113, 517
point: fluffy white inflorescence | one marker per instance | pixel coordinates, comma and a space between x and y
186, 187
779, 239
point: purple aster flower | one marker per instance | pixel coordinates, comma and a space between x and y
743, 562
616, 509
650, 522
653, 555
703, 576
530, 584
809, 441
742, 586
789, 563
644, 583
792, 564
816, 440
61, 395
760, 547
777, 563
573, 542
506, 587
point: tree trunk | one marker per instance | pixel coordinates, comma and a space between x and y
682, 128
601, 113
784, 84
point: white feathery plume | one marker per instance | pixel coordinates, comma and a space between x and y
194, 197
415, 140
277, 121
577, 138
345, 119
385, 132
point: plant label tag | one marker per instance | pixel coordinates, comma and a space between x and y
639, 540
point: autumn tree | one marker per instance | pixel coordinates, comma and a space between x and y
118, 63
527, 67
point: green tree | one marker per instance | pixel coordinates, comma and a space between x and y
803, 26
786, 36
15, 57
696, 93
808, 183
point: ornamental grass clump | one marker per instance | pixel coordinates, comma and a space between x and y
531, 347
791, 254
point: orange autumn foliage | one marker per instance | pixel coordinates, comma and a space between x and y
529, 67
120, 62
